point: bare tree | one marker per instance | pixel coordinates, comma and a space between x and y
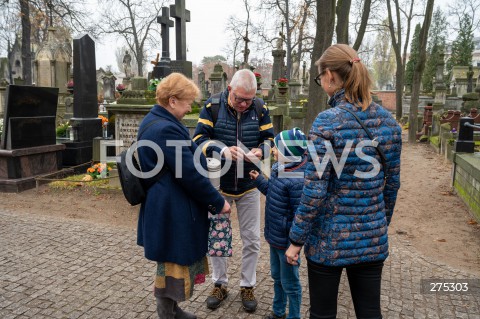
460, 8
343, 13
396, 28
26, 47
363, 24
295, 16
323, 39
135, 22
417, 75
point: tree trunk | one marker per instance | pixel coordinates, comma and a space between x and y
417, 74
397, 45
363, 24
323, 39
26, 47
343, 12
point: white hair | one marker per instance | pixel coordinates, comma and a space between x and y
245, 79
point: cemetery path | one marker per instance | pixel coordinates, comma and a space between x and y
72, 254
428, 216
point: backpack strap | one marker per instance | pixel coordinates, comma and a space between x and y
370, 135
215, 107
147, 183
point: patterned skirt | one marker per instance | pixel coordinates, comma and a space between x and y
176, 282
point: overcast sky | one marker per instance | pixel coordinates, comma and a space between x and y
206, 34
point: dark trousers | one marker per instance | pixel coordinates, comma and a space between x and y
364, 280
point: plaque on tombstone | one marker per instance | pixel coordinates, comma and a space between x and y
126, 128
29, 117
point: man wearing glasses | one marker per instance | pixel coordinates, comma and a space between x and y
227, 124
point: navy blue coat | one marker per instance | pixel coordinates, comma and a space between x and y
173, 221
282, 198
343, 219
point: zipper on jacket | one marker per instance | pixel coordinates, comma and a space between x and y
239, 115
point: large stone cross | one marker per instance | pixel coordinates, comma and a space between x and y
181, 16
166, 23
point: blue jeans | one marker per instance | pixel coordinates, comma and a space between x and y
286, 283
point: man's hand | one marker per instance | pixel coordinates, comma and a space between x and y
234, 153
254, 156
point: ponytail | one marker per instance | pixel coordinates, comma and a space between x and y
356, 81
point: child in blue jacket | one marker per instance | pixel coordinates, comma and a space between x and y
283, 191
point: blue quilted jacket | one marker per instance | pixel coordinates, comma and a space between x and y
283, 192
343, 219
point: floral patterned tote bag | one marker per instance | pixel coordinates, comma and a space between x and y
220, 236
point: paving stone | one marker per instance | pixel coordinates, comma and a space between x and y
61, 268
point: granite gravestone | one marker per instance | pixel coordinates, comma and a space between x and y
162, 67
182, 16
28, 146
85, 122
29, 117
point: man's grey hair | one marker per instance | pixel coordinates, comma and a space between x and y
245, 79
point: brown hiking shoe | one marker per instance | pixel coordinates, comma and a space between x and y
248, 299
219, 293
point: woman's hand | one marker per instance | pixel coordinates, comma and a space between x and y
253, 174
292, 254
226, 208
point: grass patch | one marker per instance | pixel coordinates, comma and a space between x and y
75, 181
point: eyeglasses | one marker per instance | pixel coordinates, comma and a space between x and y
240, 100
318, 79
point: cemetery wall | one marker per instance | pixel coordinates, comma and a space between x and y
388, 99
467, 181
452, 103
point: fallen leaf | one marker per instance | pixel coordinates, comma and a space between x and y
401, 232
472, 222
441, 240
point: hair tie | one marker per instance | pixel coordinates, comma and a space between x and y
352, 61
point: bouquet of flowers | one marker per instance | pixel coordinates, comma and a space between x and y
70, 84
258, 76
282, 82
99, 170
120, 87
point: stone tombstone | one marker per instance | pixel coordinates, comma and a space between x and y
3, 94
84, 77
217, 80
29, 117
85, 122
470, 79
162, 67
4, 74
109, 86
139, 83
182, 16
278, 68
52, 62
